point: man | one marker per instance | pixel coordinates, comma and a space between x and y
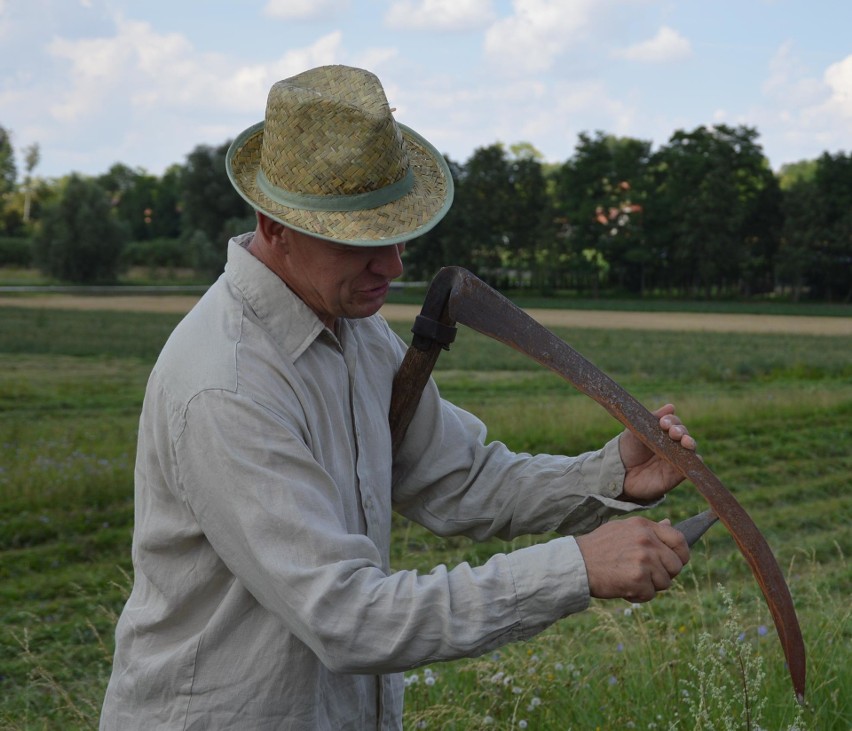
263, 595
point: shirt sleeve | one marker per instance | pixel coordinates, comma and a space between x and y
447, 478
272, 515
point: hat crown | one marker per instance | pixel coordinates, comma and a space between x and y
330, 131
330, 160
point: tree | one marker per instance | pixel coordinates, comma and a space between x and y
800, 232
211, 206
8, 171
709, 183
485, 198
600, 193
761, 230
32, 156
500, 223
795, 172
147, 204
531, 234
830, 275
120, 182
79, 238
167, 210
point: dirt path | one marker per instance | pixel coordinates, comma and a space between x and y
551, 318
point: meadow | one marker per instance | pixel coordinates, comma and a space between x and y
773, 415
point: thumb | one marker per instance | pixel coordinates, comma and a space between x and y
674, 539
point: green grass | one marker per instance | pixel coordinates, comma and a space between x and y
773, 415
617, 303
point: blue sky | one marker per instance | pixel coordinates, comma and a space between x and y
143, 82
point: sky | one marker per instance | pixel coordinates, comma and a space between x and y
144, 82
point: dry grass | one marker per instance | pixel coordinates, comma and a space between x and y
596, 319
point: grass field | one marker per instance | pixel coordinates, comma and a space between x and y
773, 415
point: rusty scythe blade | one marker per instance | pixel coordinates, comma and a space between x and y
456, 295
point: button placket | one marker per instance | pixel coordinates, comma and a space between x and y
350, 357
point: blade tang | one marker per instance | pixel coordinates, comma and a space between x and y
696, 526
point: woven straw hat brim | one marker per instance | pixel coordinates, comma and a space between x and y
399, 221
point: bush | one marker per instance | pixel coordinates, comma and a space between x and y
15, 252
160, 252
79, 239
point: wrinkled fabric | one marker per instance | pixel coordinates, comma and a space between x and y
263, 594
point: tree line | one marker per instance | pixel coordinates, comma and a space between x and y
702, 216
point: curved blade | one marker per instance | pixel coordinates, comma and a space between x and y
468, 300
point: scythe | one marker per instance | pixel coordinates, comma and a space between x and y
457, 296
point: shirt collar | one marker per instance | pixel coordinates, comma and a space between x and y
289, 320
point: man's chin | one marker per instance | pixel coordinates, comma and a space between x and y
365, 308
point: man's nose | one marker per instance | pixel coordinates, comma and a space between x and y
387, 260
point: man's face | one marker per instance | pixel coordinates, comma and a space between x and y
336, 280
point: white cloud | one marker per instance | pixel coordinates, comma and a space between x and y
805, 112
537, 32
442, 15
667, 45
827, 123
325, 50
586, 107
96, 68
5, 23
146, 90
374, 59
548, 115
304, 9
142, 68
788, 82
838, 76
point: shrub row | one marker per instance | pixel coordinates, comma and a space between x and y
163, 252
15, 252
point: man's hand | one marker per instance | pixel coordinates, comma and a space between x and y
647, 476
632, 559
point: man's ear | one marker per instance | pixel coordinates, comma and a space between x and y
277, 234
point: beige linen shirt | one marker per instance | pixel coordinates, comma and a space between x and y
263, 596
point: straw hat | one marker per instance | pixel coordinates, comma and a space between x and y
331, 161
